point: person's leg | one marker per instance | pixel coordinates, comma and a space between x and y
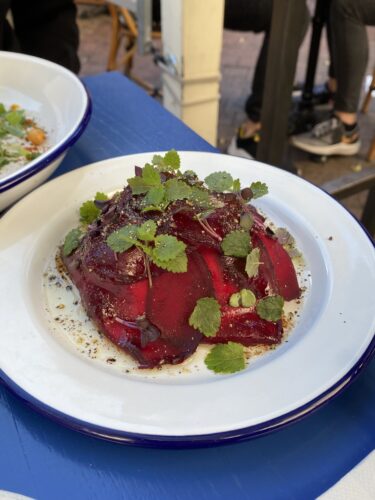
340, 134
48, 29
350, 52
251, 15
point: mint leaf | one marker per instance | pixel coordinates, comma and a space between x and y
252, 263
155, 196
236, 186
236, 244
72, 241
167, 247
147, 230
259, 189
141, 184
176, 265
101, 197
219, 181
172, 159
246, 221
176, 190
270, 308
206, 316
200, 197
243, 298
88, 212
226, 358
123, 239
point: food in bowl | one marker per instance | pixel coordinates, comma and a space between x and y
21, 138
172, 262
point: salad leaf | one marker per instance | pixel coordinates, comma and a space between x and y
259, 189
167, 247
270, 308
123, 239
206, 316
72, 240
252, 262
226, 358
236, 244
219, 181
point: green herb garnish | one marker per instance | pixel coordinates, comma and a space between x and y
226, 358
236, 244
259, 189
252, 262
206, 316
243, 298
72, 241
270, 308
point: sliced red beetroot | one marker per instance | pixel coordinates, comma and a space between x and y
172, 299
278, 267
245, 327
223, 285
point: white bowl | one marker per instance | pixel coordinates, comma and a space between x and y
59, 102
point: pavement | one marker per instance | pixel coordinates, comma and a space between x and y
239, 54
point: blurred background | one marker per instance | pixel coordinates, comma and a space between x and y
238, 59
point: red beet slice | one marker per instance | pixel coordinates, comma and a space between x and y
278, 267
172, 299
246, 327
223, 286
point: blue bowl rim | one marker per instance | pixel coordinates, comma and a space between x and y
17, 178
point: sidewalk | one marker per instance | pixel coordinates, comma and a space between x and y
239, 55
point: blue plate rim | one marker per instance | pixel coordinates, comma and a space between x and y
194, 441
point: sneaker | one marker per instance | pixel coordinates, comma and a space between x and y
245, 147
329, 138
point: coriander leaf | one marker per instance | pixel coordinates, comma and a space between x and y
246, 221
155, 196
219, 181
72, 240
248, 298
270, 308
101, 197
176, 265
259, 189
226, 358
88, 212
236, 244
252, 263
206, 316
176, 190
15, 117
147, 230
167, 247
236, 186
123, 239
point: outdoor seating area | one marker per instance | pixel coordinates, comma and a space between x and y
347, 178
187, 249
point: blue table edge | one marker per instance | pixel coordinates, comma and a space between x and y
194, 441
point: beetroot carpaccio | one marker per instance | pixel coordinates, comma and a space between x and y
172, 262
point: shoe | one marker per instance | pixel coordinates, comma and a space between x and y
329, 138
245, 147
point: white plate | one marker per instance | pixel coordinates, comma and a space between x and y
331, 342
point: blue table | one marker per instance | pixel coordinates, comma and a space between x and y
43, 460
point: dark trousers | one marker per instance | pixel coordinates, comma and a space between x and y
44, 28
255, 15
348, 20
